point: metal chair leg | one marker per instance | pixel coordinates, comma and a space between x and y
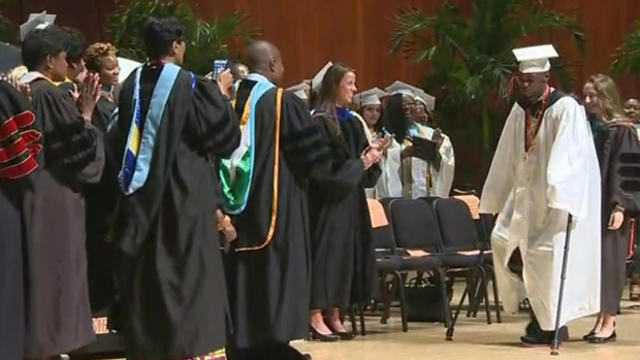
363, 330
403, 301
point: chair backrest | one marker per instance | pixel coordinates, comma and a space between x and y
414, 225
457, 227
381, 232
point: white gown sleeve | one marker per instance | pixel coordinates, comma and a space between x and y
443, 178
571, 160
501, 177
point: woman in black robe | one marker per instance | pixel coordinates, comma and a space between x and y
101, 59
15, 179
59, 316
342, 256
619, 157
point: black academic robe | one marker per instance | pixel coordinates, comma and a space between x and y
173, 293
342, 252
100, 211
59, 317
618, 152
269, 287
12, 242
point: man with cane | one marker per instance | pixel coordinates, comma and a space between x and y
545, 183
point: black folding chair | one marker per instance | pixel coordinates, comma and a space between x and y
463, 254
415, 228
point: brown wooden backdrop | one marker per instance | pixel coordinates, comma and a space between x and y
310, 32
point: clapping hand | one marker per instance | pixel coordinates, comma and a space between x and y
88, 95
371, 157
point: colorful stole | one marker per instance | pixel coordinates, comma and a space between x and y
236, 173
137, 158
19, 145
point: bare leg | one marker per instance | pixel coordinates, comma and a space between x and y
608, 326
598, 324
334, 320
317, 322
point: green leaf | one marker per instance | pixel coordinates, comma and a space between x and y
208, 39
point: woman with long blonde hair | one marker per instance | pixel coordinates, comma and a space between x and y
619, 157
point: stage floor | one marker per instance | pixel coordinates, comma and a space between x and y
474, 339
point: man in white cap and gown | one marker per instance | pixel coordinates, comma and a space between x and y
543, 179
431, 175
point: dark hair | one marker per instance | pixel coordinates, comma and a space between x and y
77, 45
378, 125
395, 119
159, 35
41, 43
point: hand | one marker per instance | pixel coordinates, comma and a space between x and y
371, 157
383, 143
408, 152
225, 82
25, 89
616, 219
229, 233
88, 95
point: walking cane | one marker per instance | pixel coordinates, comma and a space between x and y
565, 258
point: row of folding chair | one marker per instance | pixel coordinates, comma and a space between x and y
437, 237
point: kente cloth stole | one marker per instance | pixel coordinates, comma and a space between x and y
533, 121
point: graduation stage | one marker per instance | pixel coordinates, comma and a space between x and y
474, 339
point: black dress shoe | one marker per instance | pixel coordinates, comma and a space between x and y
591, 334
345, 335
315, 335
603, 340
306, 356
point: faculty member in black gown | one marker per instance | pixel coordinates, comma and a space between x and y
171, 125
340, 226
268, 269
59, 317
619, 157
18, 150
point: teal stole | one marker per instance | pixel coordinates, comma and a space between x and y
236, 173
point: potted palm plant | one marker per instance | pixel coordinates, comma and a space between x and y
471, 64
208, 38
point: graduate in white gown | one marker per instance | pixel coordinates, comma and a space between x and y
544, 169
369, 107
428, 160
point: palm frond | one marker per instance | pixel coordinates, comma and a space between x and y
627, 56
207, 39
539, 18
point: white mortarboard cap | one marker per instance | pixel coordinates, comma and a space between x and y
428, 100
399, 87
126, 67
301, 89
316, 82
369, 97
36, 21
535, 59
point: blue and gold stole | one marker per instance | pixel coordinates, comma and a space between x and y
137, 157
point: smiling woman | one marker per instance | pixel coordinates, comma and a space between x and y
341, 251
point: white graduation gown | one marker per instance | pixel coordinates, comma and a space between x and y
534, 192
389, 184
441, 179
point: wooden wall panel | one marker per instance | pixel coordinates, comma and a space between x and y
310, 32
